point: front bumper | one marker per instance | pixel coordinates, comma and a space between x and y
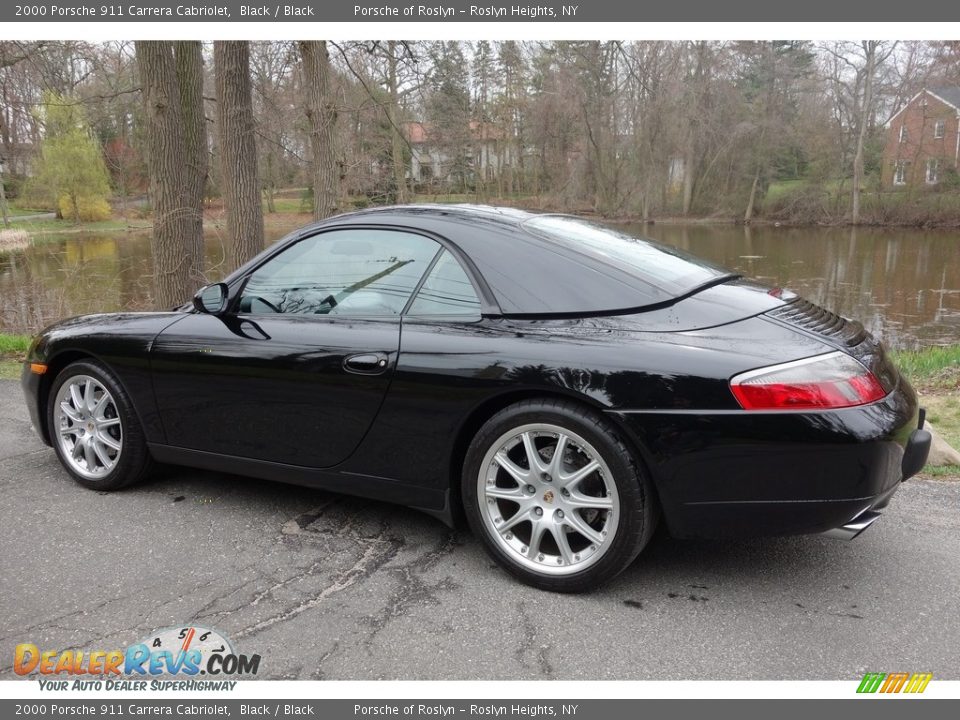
31, 384
738, 474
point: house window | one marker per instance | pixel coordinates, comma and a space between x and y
903, 133
939, 128
900, 172
933, 172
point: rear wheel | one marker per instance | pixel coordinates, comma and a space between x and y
556, 496
94, 429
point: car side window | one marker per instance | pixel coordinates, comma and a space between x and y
446, 291
341, 272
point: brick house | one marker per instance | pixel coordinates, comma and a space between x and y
923, 139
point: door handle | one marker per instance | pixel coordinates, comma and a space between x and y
366, 363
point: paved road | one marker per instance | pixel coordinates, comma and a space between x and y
324, 586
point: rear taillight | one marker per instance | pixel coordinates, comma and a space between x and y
835, 380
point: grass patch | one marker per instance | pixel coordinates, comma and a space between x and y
780, 188
933, 368
946, 471
14, 344
9, 369
287, 205
13, 349
15, 212
943, 412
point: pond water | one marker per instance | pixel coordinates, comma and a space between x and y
903, 285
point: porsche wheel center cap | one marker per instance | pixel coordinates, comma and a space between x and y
548, 496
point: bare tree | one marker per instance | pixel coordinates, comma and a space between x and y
321, 111
274, 96
3, 198
173, 259
189, 60
393, 118
854, 70
238, 150
869, 70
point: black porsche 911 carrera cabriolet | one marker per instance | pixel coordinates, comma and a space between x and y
561, 384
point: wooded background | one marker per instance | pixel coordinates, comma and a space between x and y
621, 129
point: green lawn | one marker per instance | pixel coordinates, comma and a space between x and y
935, 371
18, 211
14, 344
943, 412
12, 350
288, 205
933, 368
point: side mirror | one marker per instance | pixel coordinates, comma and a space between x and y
211, 299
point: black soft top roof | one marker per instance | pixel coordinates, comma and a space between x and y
529, 272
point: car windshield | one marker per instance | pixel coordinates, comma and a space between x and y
666, 268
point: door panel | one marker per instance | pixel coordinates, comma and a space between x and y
272, 387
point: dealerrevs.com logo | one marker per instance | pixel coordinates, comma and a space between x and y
189, 652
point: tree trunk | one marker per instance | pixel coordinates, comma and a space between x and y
688, 161
189, 59
3, 200
321, 113
393, 117
238, 150
870, 54
748, 213
165, 155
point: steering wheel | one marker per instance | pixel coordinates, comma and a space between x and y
257, 298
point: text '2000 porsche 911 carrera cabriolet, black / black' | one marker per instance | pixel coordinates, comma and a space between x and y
562, 385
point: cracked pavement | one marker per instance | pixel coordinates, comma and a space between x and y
324, 586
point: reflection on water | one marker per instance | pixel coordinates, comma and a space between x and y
904, 285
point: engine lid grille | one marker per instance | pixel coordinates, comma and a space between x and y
815, 319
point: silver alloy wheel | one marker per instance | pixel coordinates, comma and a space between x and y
548, 499
89, 429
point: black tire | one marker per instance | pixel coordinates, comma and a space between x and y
638, 509
134, 462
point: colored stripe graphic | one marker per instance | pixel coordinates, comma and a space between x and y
918, 682
871, 682
895, 682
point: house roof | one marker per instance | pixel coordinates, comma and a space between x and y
950, 94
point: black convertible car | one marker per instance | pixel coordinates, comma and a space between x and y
562, 384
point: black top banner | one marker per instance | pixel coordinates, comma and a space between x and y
735, 11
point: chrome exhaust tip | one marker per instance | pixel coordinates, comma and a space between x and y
853, 528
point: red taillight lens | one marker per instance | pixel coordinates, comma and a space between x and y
835, 380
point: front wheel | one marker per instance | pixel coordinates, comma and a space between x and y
94, 429
556, 496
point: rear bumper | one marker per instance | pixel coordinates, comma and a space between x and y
914, 458
915, 453
738, 474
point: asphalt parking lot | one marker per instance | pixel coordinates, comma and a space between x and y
328, 587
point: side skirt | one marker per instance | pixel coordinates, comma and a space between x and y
432, 501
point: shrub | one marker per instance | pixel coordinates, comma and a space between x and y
89, 209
